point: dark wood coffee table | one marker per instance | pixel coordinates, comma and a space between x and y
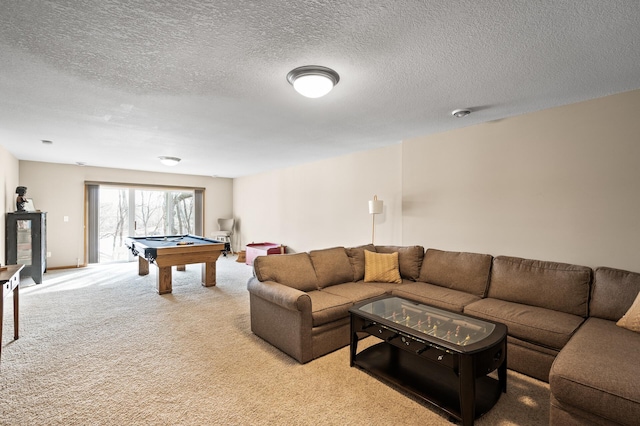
440, 356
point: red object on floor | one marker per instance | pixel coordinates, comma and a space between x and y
262, 249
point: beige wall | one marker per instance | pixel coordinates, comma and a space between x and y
322, 204
58, 189
8, 183
561, 184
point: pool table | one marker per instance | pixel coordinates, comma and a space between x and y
175, 250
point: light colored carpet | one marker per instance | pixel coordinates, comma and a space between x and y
98, 346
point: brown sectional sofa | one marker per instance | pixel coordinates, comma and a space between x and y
560, 317
541, 303
595, 379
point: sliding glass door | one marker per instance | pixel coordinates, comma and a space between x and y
114, 224
117, 212
159, 212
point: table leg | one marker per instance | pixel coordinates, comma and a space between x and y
15, 311
467, 390
143, 266
502, 371
181, 267
354, 342
1, 317
163, 282
209, 274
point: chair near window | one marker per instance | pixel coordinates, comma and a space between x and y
225, 232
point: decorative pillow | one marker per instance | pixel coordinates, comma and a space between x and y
381, 267
631, 320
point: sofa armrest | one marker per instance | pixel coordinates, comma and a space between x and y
280, 294
281, 315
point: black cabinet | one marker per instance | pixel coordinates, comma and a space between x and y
26, 243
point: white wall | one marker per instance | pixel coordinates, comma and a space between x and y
322, 204
8, 183
58, 189
561, 184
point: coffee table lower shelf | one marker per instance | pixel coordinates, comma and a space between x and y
426, 380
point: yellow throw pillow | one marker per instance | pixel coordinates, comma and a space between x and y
381, 267
631, 320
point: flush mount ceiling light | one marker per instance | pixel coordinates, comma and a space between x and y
313, 81
169, 161
459, 113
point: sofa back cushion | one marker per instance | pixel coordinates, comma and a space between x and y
332, 266
468, 272
356, 257
613, 292
557, 286
409, 258
292, 270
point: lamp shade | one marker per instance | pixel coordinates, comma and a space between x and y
375, 205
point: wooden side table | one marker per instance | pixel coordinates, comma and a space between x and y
10, 281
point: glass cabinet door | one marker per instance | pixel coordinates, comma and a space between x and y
25, 243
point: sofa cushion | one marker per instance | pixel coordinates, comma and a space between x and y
631, 320
556, 286
382, 267
530, 358
457, 270
292, 270
598, 370
409, 258
541, 326
388, 287
356, 257
332, 266
355, 292
434, 295
327, 307
613, 293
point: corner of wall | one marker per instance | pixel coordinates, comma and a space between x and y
9, 176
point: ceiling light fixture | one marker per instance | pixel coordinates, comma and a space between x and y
460, 113
169, 161
313, 81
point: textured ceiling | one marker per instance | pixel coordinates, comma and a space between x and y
119, 83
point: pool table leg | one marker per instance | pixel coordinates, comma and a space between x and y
143, 266
209, 274
163, 284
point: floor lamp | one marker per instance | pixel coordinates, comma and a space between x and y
375, 207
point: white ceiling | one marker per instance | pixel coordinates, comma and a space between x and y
119, 83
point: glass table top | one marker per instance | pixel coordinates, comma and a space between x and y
451, 327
